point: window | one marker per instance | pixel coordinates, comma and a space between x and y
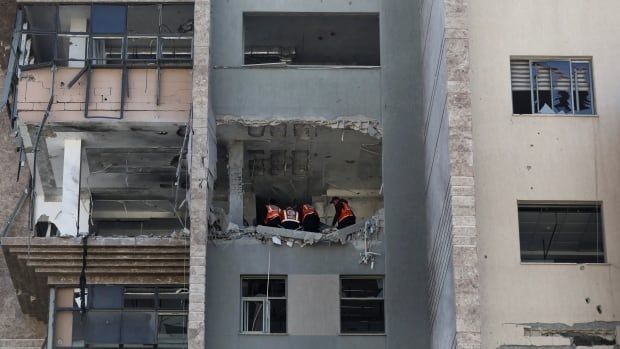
263, 304
561, 233
105, 34
122, 317
361, 305
557, 86
311, 38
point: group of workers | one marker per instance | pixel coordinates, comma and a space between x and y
306, 217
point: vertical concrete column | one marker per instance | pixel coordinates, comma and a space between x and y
464, 233
201, 179
235, 180
71, 179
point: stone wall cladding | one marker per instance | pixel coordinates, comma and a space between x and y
464, 233
201, 178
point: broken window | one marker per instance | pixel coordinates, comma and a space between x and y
561, 233
106, 34
263, 304
361, 305
177, 20
311, 38
558, 86
122, 316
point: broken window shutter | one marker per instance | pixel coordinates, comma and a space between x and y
520, 75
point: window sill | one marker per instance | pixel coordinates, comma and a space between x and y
262, 334
557, 115
363, 334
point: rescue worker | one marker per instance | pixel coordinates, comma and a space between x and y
273, 215
289, 218
310, 220
344, 215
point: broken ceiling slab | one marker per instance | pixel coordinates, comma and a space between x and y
371, 127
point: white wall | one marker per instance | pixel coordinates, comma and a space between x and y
571, 158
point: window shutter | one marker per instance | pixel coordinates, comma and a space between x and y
520, 75
581, 71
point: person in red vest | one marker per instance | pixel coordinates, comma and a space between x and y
272, 217
344, 216
289, 218
310, 220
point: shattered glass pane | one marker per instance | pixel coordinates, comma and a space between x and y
177, 20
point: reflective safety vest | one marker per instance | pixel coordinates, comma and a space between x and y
345, 212
307, 210
273, 211
289, 215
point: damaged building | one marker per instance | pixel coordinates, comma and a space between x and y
145, 144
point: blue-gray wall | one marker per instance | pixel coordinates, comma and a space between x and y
313, 274
403, 175
286, 92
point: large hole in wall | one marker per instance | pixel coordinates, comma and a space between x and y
296, 163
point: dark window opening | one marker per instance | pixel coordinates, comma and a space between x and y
263, 304
143, 20
311, 39
177, 20
362, 305
561, 233
73, 18
561, 86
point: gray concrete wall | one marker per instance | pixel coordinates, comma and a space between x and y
437, 177
313, 274
297, 92
262, 93
403, 175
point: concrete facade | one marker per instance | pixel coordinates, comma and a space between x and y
559, 158
425, 146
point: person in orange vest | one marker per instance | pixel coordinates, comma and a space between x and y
310, 220
272, 217
344, 216
289, 218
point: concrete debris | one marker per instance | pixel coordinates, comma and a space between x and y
371, 127
588, 334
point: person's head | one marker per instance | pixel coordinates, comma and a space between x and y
335, 200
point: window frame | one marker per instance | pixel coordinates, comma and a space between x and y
266, 305
341, 298
125, 36
571, 60
157, 309
575, 204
